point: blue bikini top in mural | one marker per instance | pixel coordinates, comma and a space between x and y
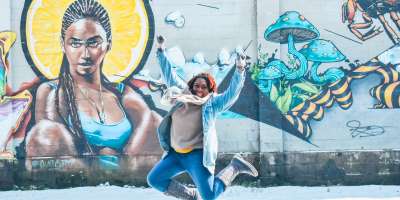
104, 135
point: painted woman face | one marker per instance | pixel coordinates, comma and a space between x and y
85, 46
200, 87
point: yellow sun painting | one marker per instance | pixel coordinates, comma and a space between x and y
130, 27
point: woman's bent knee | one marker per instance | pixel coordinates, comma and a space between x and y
150, 179
155, 182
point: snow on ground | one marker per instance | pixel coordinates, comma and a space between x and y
370, 192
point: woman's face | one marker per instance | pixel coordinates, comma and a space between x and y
85, 46
200, 87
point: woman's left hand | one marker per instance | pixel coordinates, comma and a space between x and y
241, 62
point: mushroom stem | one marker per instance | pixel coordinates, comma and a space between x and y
269, 86
279, 64
265, 86
331, 75
301, 71
314, 73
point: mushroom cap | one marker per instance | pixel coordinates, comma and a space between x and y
269, 73
293, 23
322, 51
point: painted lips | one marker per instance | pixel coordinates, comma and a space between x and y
86, 64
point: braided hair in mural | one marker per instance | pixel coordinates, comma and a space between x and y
79, 9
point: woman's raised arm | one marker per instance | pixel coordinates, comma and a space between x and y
169, 75
224, 101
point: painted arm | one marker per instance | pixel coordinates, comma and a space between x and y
140, 115
41, 102
224, 101
170, 77
24, 86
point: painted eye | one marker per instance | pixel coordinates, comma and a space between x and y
76, 44
94, 43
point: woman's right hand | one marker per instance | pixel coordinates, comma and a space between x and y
160, 42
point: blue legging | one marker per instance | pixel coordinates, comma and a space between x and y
175, 163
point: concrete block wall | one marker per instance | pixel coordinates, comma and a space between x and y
322, 144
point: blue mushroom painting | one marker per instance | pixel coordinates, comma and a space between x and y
286, 84
290, 28
289, 85
323, 51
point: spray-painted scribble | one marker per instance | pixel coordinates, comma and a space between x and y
46, 164
208, 6
357, 130
343, 36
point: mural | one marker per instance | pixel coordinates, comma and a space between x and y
97, 91
14, 105
300, 91
297, 90
86, 100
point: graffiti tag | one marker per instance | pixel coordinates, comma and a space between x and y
357, 130
51, 164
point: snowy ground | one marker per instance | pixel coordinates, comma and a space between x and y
371, 192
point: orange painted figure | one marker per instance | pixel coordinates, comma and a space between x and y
371, 9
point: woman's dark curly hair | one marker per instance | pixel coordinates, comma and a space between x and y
211, 84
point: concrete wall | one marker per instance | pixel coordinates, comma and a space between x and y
291, 133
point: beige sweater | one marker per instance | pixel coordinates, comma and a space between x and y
186, 127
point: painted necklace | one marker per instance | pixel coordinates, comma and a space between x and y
100, 111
